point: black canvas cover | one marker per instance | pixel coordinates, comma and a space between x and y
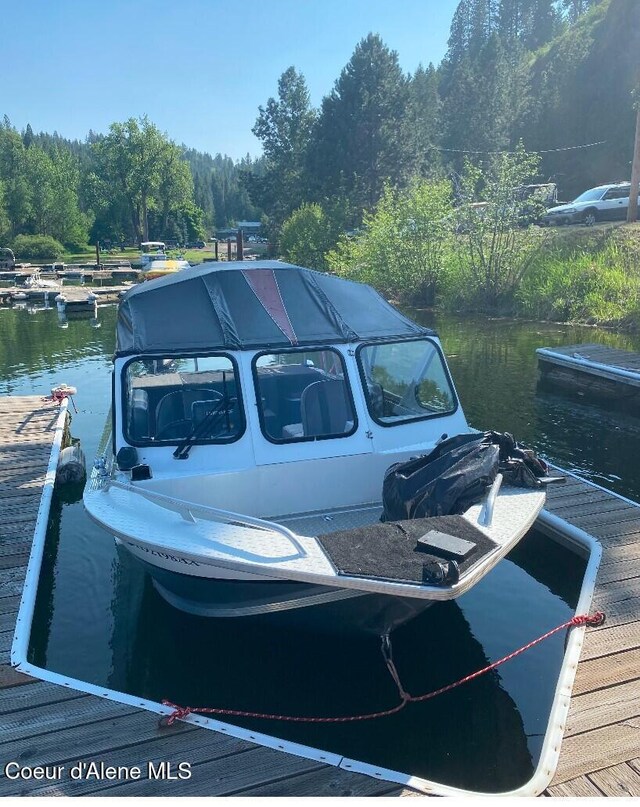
456, 475
250, 305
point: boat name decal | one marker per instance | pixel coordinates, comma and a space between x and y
164, 555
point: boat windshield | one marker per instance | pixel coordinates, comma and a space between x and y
303, 395
167, 399
405, 381
152, 246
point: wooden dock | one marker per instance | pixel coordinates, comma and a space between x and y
47, 724
598, 370
75, 295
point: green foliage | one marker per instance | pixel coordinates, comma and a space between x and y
579, 93
402, 246
139, 170
284, 127
493, 252
364, 137
220, 190
582, 287
425, 111
307, 235
41, 190
37, 247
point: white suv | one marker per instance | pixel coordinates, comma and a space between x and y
604, 203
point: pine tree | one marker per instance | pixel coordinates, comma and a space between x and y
284, 126
27, 137
363, 137
575, 8
425, 112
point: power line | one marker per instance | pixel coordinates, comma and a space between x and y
541, 151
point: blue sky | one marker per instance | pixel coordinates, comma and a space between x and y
198, 68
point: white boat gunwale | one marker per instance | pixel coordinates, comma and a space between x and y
285, 569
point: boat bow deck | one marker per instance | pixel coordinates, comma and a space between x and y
191, 539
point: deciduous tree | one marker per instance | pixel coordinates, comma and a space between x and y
131, 162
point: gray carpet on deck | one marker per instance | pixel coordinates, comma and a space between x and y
387, 551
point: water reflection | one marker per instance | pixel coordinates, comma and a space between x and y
100, 619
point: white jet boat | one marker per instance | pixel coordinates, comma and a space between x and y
257, 407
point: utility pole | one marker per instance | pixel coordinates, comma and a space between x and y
632, 212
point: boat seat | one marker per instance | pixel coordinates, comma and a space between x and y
324, 409
139, 415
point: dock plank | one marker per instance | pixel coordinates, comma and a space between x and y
328, 781
185, 746
225, 776
619, 780
94, 739
10, 677
29, 723
594, 750
41, 693
610, 639
576, 788
604, 707
606, 671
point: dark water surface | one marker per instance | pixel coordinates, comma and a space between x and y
99, 619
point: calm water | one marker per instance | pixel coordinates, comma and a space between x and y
99, 619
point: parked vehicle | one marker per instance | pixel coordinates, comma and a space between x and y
603, 203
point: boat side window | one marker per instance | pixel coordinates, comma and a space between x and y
168, 399
405, 381
303, 395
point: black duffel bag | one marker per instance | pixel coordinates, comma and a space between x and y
456, 475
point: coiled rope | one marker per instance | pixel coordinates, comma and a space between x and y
180, 712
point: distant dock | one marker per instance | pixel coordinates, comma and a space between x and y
74, 295
602, 371
58, 721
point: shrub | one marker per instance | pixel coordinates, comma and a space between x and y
402, 247
37, 247
494, 252
306, 236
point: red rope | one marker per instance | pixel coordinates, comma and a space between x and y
180, 712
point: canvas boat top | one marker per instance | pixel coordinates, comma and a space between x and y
253, 304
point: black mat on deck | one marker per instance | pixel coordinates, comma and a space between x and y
387, 551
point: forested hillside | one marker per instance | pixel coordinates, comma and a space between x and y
555, 75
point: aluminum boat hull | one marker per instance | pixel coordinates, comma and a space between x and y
285, 604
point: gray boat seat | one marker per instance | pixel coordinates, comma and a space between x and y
325, 409
139, 415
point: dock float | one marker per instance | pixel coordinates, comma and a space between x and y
64, 723
74, 295
603, 371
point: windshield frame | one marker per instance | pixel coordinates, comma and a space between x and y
418, 418
311, 438
151, 443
